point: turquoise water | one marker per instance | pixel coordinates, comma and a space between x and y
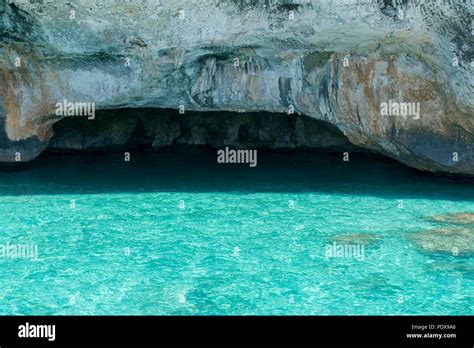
176, 234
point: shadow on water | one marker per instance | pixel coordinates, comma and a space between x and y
196, 170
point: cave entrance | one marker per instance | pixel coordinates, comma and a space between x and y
148, 128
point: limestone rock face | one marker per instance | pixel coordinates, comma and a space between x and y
395, 76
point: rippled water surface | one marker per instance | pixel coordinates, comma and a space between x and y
175, 233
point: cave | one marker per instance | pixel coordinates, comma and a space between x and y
152, 128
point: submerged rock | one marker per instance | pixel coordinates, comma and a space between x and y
454, 218
339, 61
455, 240
464, 269
355, 238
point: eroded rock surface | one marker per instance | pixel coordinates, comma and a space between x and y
336, 61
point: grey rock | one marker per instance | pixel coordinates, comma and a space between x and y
335, 61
